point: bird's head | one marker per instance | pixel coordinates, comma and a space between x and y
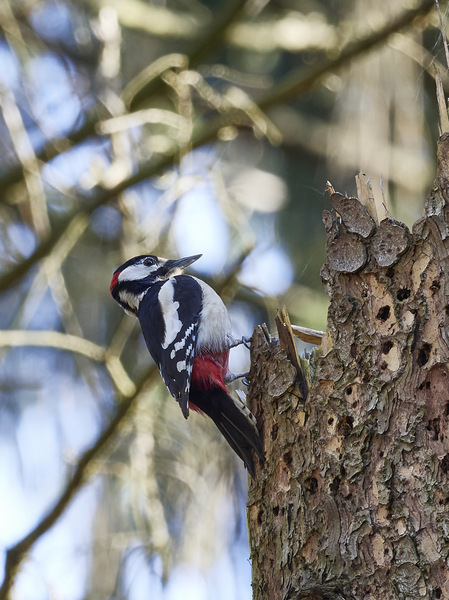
132, 280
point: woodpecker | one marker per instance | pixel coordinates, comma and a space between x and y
187, 330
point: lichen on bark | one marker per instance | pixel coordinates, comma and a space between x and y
353, 498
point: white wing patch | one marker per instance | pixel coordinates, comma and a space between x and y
179, 345
170, 314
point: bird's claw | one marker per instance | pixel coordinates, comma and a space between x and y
246, 342
230, 377
243, 340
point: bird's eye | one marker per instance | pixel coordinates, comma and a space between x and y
148, 262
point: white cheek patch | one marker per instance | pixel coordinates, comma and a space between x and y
170, 314
139, 271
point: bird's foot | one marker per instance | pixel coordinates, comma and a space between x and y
230, 377
243, 340
246, 342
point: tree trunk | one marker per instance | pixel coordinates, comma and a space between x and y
353, 499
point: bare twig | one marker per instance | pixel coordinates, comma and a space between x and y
311, 336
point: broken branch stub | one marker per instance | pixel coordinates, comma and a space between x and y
346, 253
389, 242
353, 214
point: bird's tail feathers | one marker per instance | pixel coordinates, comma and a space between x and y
233, 419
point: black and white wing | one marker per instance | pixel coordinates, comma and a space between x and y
169, 317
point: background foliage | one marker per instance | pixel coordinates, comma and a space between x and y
172, 128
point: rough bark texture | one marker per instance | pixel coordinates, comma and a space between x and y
353, 499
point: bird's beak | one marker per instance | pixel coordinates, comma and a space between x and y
180, 264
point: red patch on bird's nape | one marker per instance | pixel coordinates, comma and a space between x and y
114, 281
210, 370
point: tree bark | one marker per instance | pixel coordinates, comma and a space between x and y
353, 499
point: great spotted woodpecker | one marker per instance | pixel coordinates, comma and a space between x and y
187, 330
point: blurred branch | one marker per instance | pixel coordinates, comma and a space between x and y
72, 343
24, 150
230, 11
17, 553
151, 18
17, 131
52, 339
296, 83
49, 275
147, 170
140, 91
56, 147
300, 82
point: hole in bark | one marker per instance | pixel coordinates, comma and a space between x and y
274, 432
354, 404
331, 420
403, 294
437, 592
349, 391
386, 347
275, 510
390, 272
424, 354
383, 313
445, 463
259, 517
435, 285
342, 471
434, 426
287, 458
345, 425
383, 366
446, 410
311, 484
334, 485
427, 385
